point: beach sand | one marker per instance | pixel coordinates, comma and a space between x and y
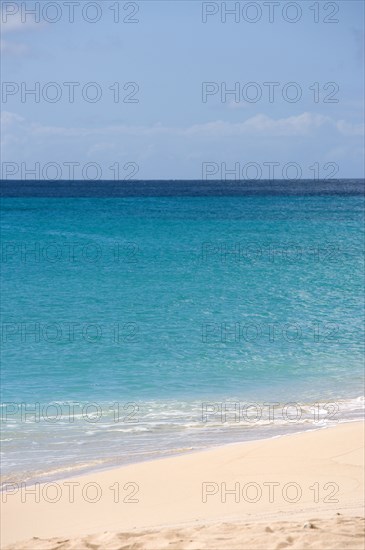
299, 491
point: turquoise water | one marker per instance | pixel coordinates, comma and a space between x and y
160, 304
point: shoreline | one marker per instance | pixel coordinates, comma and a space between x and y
174, 488
84, 471
107, 463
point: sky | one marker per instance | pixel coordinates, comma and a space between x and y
182, 89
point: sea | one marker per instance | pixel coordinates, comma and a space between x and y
147, 319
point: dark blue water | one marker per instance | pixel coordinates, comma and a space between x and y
174, 188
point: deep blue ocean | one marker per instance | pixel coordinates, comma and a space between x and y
141, 319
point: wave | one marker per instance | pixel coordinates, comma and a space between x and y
163, 428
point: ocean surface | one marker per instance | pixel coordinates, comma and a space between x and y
151, 318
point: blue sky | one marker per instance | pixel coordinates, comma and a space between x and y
170, 133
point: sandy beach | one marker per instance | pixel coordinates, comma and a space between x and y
298, 491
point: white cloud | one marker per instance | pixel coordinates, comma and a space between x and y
165, 151
13, 48
261, 125
14, 130
11, 23
348, 129
8, 119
